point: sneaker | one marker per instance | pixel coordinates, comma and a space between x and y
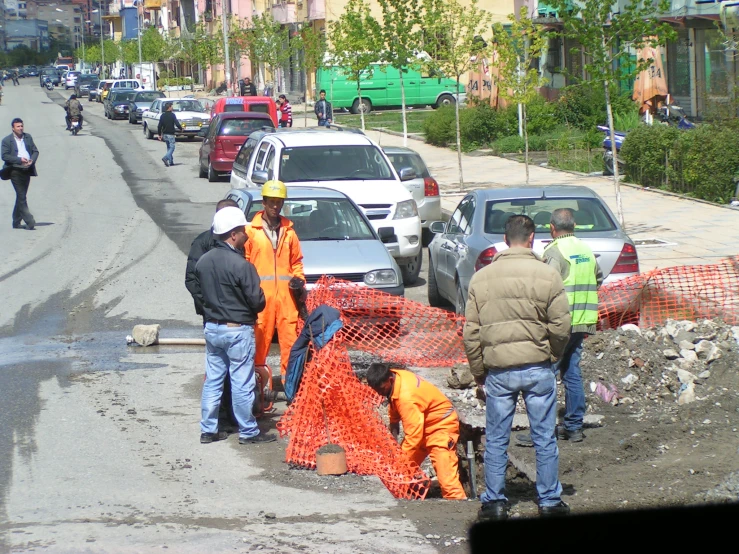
207, 438
493, 511
259, 439
31, 226
166, 163
560, 509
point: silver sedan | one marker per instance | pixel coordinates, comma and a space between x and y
474, 235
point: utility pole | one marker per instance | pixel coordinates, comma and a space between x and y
227, 66
138, 32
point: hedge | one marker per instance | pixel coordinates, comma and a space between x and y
701, 162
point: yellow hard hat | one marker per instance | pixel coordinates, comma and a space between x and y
274, 189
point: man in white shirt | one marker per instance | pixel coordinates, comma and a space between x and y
19, 153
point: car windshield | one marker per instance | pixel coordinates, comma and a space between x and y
333, 163
87, 78
147, 96
242, 127
322, 219
122, 96
187, 106
413, 161
590, 215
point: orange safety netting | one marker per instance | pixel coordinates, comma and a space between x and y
332, 405
681, 292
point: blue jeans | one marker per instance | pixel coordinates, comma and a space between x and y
229, 350
569, 368
170, 140
323, 123
538, 385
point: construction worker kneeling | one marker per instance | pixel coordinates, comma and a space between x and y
430, 423
274, 249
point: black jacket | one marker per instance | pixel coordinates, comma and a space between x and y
167, 123
227, 286
204, 242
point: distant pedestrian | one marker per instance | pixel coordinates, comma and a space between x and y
247, 87
324, 112
286, 111
167, 124
576, 264
15, 78
518, 320
19, 153
228, 288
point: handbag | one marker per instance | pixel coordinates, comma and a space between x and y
5, 172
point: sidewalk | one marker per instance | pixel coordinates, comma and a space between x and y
695, 232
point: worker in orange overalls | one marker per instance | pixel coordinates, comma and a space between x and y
430, 423
274, 249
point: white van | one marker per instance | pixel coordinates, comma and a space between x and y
134, 84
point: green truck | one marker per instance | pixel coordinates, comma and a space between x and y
381, 88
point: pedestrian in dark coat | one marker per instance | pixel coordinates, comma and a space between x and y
19, 153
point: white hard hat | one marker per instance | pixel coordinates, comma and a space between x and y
228, 218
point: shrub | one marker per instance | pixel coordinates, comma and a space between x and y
439, 127
541, 116
646, 151
584, 106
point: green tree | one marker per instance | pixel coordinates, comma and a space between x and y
312, 44
518, 45
355, 42
454, 38
153, 46
608, 39
270, 43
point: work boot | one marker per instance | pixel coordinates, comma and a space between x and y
207, 438
567, 435
497, 510
560, 509
259, 439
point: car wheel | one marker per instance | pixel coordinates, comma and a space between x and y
412, 269
212, 175
148, 134
365, 106
435, 299
202, 173
191, 137
445, 100
130, 121
461, 304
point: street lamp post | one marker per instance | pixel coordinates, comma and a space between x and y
227, 66
102, 44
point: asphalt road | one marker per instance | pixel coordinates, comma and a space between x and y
99, 449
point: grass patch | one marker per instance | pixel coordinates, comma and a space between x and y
388, 120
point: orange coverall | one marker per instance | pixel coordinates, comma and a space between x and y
275, 269
431, 428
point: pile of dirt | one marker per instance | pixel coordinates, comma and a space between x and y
658, 369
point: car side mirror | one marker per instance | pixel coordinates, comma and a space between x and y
259, 177
407, 174
437, 227
387, 234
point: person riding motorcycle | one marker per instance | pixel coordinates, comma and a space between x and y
73, 109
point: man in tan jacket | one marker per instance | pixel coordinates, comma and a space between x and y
518, 323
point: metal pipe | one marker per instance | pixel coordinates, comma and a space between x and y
471, 465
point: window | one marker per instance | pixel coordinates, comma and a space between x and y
245, 153
242, 127
269, 164
233, 108
187, 106
259, 108
333, 163
149, 96
261, 154
590, 216
413, 161
461, 221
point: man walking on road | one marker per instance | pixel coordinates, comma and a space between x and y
275, 251
430, 423
248, 88
19, 153
518, 319
324, 112
576, 264
167, 124
228, 288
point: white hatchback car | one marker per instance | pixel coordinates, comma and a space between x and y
70, 79
188, 111
350, 163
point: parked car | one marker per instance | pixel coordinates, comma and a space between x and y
348, 162
225, 135
84, 83
141, 102
262, 104
97, 94
33, 71
115, 104
474, 235
70, 79
189, 112
335, 236
424, 188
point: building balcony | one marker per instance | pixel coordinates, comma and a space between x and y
316, 9
284, 12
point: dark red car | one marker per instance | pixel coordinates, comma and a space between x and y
225, 135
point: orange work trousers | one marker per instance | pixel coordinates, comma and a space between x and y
441, 446
281, 313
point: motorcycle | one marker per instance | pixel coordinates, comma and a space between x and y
48, 84
75, 125
669, 114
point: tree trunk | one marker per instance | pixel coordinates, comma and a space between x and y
459, 138
359, 93
524, 125
305, 99
614, 153
402, 108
